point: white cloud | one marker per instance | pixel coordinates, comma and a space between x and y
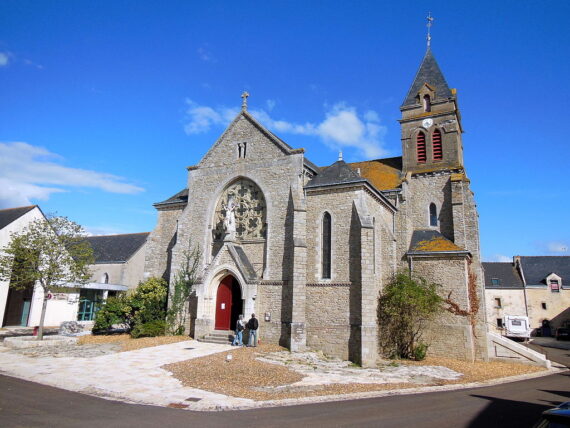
501, 258
270, 104
30, 172
4, 59
341, 128
205, 55
202, 118
557, 247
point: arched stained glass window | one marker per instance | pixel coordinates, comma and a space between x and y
326, 246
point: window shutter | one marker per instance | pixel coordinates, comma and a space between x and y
436, 143
421, 147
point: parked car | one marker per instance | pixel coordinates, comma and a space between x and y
563, 333
555, 418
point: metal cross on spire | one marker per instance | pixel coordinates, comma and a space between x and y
429, 24
244, 96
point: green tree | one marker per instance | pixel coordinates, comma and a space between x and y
181, 289
406, 304
51, 253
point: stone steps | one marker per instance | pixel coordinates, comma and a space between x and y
221, 337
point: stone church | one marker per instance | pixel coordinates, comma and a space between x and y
308, 249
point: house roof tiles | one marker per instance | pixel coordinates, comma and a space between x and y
116, 248
9, 215
505, 274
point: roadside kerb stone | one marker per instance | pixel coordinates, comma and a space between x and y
22, 342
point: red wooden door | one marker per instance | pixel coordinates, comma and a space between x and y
224, 304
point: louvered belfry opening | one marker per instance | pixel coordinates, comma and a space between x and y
436, 142
421, 147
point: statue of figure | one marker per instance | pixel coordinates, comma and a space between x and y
230, 219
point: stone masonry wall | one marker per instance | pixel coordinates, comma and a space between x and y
328, 325
159, 244
448, 335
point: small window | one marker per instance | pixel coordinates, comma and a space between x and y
436, 145
432, 215
499, 323
554, 286
427, 103
105, 278
498, 302
543, 304
242, 150
495, 281
326, 246
421, 147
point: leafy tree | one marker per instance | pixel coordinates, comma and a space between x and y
181, 289
51, 253
406, 304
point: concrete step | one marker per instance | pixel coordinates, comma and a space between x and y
220, 336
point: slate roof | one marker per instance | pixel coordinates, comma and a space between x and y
536, 268
430, 73
179, 198
9, 215
432, 241
116, 248
337, 173
384, 174
506, 273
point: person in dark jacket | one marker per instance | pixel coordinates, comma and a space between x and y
252, 326
240, 327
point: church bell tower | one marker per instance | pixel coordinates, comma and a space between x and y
431, 122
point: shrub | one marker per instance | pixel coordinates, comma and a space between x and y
420, 351
145, 305
406, 305
149, 329
149, 300
116, 310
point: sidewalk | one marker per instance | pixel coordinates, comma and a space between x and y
133, 376
551, 342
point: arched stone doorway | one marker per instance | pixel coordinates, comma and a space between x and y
229, 303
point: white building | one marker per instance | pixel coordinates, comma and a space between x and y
23, 307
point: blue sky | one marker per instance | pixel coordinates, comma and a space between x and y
105, 103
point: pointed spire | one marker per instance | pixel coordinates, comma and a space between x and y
430, 73
244, 96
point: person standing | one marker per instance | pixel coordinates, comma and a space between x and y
252, 326
240, 327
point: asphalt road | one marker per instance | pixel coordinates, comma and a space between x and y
517, 404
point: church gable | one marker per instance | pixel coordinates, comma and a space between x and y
245, 141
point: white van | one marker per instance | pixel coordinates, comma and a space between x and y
517, 326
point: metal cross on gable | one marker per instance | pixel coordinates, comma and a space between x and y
429, 24
244, 96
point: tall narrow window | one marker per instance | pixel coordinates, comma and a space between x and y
326, 246
436, 144
421, 147
427, 103
432, 215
